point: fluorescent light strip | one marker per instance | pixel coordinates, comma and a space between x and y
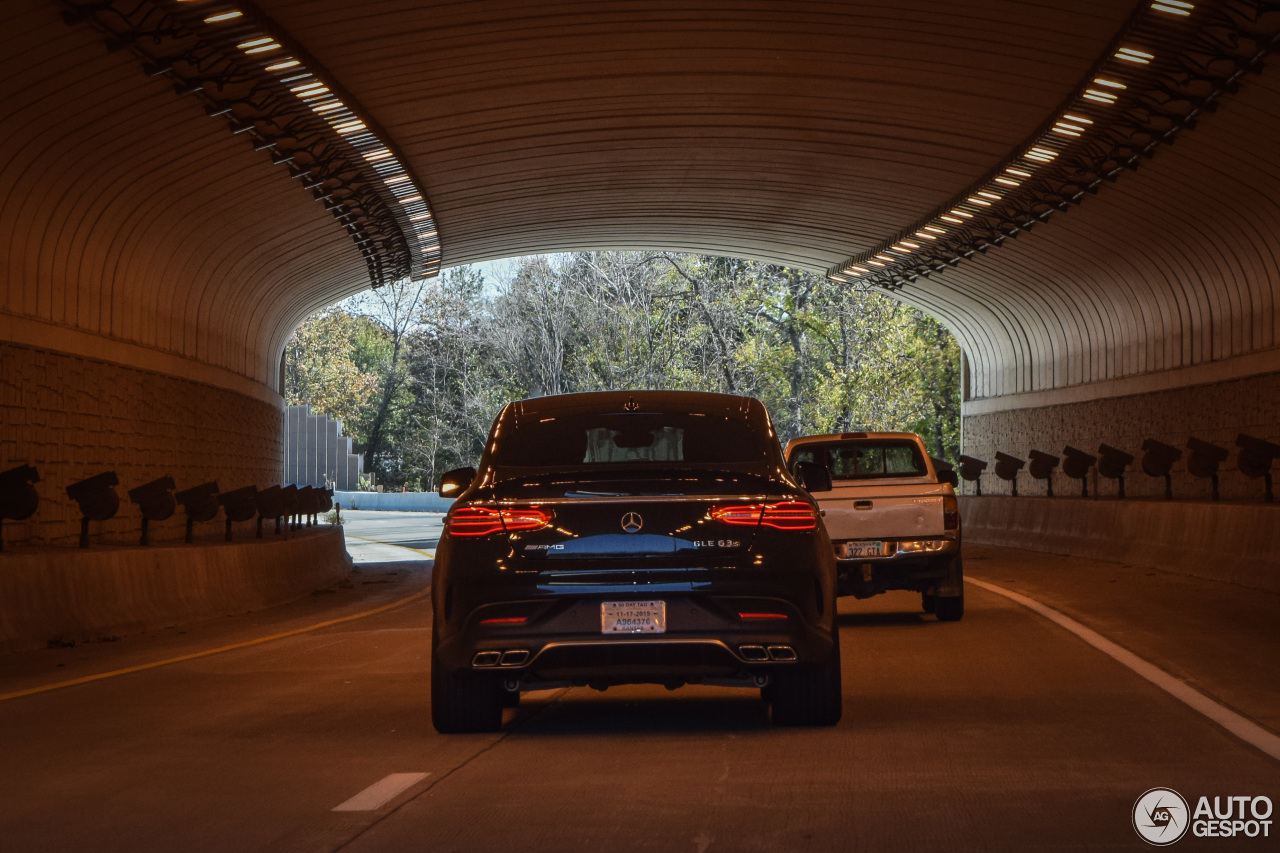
1008, 182
964, 213
263, 49
925, 235
1021, 174
1065, 132
254, 42
1130, 55
978, 201
992, 196
1100, 97
223, 16
1110, 84
1167, 6
952, 219
280, 66
875, 263
1077, 119
935, 230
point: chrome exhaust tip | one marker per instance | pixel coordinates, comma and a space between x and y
486, 659
782, 653
514, 657
753, 653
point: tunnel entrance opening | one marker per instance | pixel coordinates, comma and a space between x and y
416, 371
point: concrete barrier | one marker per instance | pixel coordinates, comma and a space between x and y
82, 595
402, 501
1234, 542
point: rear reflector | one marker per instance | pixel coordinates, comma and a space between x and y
762, 616
785, 515
505, 620
485, 521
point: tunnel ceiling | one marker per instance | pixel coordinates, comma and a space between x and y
160, 187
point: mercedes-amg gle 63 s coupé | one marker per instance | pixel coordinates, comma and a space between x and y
624, 538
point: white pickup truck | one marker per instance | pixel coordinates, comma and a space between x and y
891, 515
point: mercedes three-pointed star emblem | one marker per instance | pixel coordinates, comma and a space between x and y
632, 522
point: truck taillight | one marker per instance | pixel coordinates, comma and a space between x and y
784, 515
950, 513
485, 521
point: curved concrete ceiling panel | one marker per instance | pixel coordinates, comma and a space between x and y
797, 132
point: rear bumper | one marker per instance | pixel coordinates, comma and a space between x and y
705, 641
936, 573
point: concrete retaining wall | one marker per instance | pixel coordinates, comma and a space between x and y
80, 595
1234, 542
403, 501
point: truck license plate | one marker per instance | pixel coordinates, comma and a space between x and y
854, 550
633, 617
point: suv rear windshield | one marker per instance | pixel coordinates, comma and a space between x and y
864, 459
575, 439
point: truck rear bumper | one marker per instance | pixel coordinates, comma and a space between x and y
936, 573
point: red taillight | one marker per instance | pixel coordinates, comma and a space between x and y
790, 515
525, 518
950, 513
785, 515
746, 514
485, 521
505, 620
762, 616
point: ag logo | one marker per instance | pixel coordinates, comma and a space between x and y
1161, 817
632, 522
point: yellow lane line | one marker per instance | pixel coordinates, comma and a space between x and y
4, 697
430, 555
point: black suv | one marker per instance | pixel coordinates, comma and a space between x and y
622, 538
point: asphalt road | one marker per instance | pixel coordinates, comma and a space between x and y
1000, 732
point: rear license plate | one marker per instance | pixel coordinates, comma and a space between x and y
854, 550
633, 617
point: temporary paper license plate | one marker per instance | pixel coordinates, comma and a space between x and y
853, 550
633, 617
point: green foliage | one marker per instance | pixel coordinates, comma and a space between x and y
422, 370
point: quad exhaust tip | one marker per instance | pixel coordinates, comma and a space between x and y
782, 653
757, 654
511, 657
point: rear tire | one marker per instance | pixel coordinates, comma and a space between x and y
464, 702
928, 603
950, 609
808, 695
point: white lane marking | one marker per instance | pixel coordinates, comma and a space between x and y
1243, 728
380, 793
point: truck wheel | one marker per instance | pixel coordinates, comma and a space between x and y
807, 695
463, 702
950, 609
928, 603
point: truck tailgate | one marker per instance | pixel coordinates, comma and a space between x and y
883, 512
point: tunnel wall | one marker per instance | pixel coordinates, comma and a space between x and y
72, 417
1213, 411
75, 596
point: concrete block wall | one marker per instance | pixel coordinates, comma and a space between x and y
73, 417
317, 453
1215, 412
